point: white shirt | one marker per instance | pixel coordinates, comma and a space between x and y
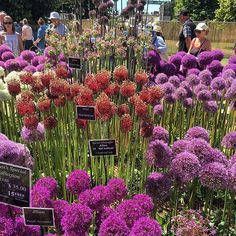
27, 33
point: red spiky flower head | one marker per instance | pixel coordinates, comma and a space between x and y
126, 123
127, 88
81, 124
13, 87
156, 94
146, 127
50, 122
59, 87
103, 78
44, 104
26, 77
141, 77
24, 107
31, 121
91, 83
122, 109
141, 108
61, 71
121, 73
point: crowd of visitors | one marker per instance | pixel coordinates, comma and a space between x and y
192, 39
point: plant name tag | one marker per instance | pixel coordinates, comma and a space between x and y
15, 184
102, 147
39, 216
74, 62
85, 112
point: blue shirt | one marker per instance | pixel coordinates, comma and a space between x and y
159, 43
41, 35
60, 29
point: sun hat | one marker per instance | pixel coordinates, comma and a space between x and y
157, 28
202, 27
54, 15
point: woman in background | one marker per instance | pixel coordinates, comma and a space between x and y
10, 37
40, 41
27, 35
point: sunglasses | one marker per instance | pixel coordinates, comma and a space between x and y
7, 23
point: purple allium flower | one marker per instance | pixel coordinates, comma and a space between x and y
35, 61
215, 68
176, 60
40, 67
78, 181
230, 66
193, 80
77, 219
232, 160
214, 176
218, 83
168, 68
145, 202
29, 135
40, 197
232, 177
62, 57
117, 189
114, 225
161, 78
211, 106
7, 55
228, 81
96, 198
181, 93
22, 230
197, 132
185, 167
22, 63
102, 214
30, 68
42, 59
217, 54
131, 211
160, 134
205, 77
181, 76
181, 54
204, 95
3, 137
15, 153
168, 88
228, 73
175, 80
231, 91
232, 60
4, 48
193, 71
229, 140
50, 53
188, 102
216, 156
180, 146
12, 65
199, 88
59, 207
27, 55
153, 58
189, 61
170, 98
146, 226
4, 211
158, 109
7, 226
158, 186
48, 182
158, 154
204, 59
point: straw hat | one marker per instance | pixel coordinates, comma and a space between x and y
157, 28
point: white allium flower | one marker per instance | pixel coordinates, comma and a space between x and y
2, 72
12, 76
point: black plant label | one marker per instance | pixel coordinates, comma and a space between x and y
85, 112
102, 147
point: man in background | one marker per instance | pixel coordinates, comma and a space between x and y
187, 31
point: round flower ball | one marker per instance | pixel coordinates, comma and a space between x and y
189, 61
197, 132
204, 59
34, 135
160, 134
117, 189
229, 140
168, 68
215, 68
78, 181
214, 176
145, 202
217, 54
146, 226
176, 60
185, 167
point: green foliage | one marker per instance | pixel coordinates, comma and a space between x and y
200, 9
29, 9
226, 11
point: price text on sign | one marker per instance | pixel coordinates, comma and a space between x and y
74, 62
39, 216
15, 184
85, 112
103, 147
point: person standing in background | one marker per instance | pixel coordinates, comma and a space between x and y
187, 31
2, 15
40, 41
27, 35
10, 37
56, 26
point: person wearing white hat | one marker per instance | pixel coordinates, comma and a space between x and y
158, 41
200, 43
56, 25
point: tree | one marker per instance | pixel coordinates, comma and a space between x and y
226, 11
200, 9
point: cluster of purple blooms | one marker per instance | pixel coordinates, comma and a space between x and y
15, 153
106, 205
29, 61
188, 79
189, 159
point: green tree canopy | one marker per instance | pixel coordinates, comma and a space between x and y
200, 9
226, 11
